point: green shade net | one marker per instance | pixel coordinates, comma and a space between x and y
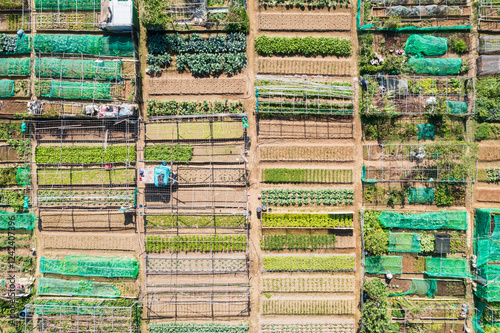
426, 45
420, 287
404, 242
23, 176
490, 292
363, 176
86, 44
67, 4
447, 267
7, 88
79, 90
487, 250
435, 66
17, 221
50, 286
425, 132
456, 220
409, 29
82, 265
421, 195
15, 44
78, 69
15, 67
381, 264
455, 107
483, 221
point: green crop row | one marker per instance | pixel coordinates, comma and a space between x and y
14, 241
84, 155
169, 108
196, 243
329, 327
304, 3
297, 242
197, 328
307, 220
176, 153
282, 175
305, 46
204, 64
309, 264
196, 221
337, 284
287, 197
308, 307
85, 177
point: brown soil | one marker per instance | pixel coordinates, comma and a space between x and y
303, 66
487, 194
304, 22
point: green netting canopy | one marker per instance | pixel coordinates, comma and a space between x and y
23, 176
489, 272
363, 177
85, 44
455, 107
422, 195
487, 250
490, 292
483, 220
21, 220
78, 69
15, 67
82, 265
15, 44
435, 66
68, 306
420, 287
79, 90
404, 242
447, 267
7, 88
381, 264
67, 4
426, 45
425, 132
456, 220
50, 286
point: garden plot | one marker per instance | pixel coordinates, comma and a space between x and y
330, 326
218, 153
309, 307
400, 13
87, 155
12, 107
304, 197
16, 15
322, 176
79, 131
441, 162
72, 21
279, 21
193, 223
198, 86
402, 194
412, 128
91, 91
319, 127
188, 265
306, 153
62, 108
80, 176
415, 95
13, 152
488, 16
88, 220
90, 242
202, 243
224, 200
308, 283
161, 110
294, 66
307, 221
80, 198
195, 130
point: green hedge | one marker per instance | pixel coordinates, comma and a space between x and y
304, 46
177, 153
85, 155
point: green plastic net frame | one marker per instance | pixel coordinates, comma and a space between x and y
435, 66
425, 132
78, 69
84, 288
22, 44
79, 90
82, 265
490, 292
447, 267
67, 5
120, 46
382, 264
420, 287
7, 88
23, 176
421, 195
15, 66
456, 220
404, 242
455, 107
426, 45
26, 221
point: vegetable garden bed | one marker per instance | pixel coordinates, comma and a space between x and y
280, 175
306, 153
174, 108
84, 155
196, 243
195, 221
290, 220
338, 263
99, 198
337, 326
195, 265
72, 21
195, 130
344, 306
299, 197
85, 176
328, 284
281, 242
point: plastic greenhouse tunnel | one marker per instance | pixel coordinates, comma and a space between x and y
420, 287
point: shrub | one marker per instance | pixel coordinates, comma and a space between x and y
377, 242
483, 132
443, 196
459, 46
